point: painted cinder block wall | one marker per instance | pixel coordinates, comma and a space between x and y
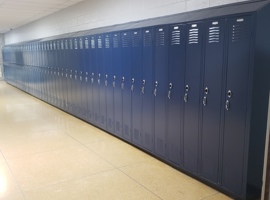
98, 13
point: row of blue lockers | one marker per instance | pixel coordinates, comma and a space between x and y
172, 90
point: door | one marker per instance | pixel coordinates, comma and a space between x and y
108, 82
147, 90
174, 86
236, 103
136, 85
117, 83
101, 83
95, 79
126, 83
211, 98
160, 90
191, 97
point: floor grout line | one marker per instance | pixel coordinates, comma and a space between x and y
13, 175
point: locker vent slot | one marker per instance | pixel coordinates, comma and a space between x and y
176, 37
62, 45
208, 167
214, 35
136, 134
96, 116
76, 44
126, 130
66, 44
147, 138
81, 44
124, 40
109, 122
190, 161
102, 119
93, 44
117, 126
107, 43
86, 43
135, 40
70, 44
160, 144
240, 32
58, 45
193, 37
99, 43
232, 179
174, 152
115, 42
160, 38
147, 39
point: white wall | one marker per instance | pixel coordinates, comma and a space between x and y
97, 13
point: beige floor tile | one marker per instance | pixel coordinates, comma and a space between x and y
89, 134
110, 185
17, 196
218, 196
51, 167
118, 152
167, 182
15, 145
8, 185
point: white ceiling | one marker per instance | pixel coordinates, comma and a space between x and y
15, 13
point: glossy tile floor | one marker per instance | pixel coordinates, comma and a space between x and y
48, 154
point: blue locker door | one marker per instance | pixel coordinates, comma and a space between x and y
174, 92
211, 101
108, 70
147, 90
239, 48
136, 85
73, 43
160, 90
117, 83
83, 78
88, 73
126, 83
71, 76
58, 74
64, 76
80, 67
95, 79
76, 68
192, 98
101, 83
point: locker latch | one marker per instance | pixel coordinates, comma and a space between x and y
114, 78
206, 90
106, 81
155, 90
204, 101
122, 84
227, 106
143, 86
132, 86
229, 93
186, 98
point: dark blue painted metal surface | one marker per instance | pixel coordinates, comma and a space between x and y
174, 88
147, 90
126, 83
192, 96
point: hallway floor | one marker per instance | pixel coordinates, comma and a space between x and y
48, 154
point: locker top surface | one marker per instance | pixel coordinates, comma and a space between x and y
203, 14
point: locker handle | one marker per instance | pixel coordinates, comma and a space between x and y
92, 80
80, 78
86, 79
98, 81
132, 88
122, 86
227, 105
204, 101
70, 76
155, 92
169, 95
75, 77
186, 98
143, 89
113, 84
106, 82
